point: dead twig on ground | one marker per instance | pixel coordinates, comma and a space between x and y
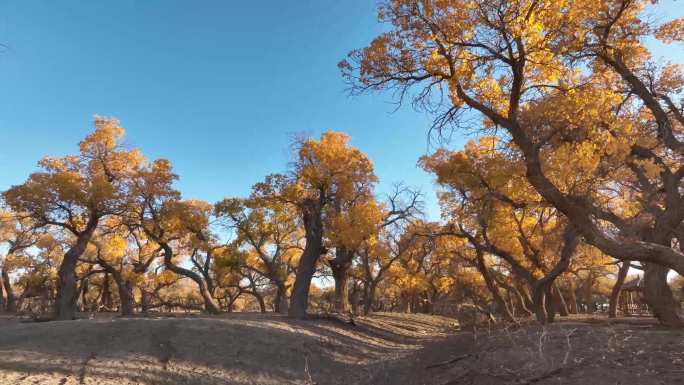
449, 362
543, 376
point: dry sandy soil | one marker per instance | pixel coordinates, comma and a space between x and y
382, 349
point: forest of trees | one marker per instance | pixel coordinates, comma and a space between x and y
573, 183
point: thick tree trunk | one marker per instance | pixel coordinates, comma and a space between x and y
299, 301
127, 301
369, 298
366, 298
340, 270
65, 303
658, 295
539, 303
106, 298
125, 288
542, 302
281, 303
144, 301
341, 279
549, 303
11, 303
617, 289
260, 301
65, 308
313, 226
209, 303
126, 297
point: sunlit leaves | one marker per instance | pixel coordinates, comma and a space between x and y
672, 31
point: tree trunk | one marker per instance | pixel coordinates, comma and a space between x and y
84, 291
299, 301
66, 292
106, 298
209, 303
574, 309
538, 303
281, 302
496, 295
525, 293
11, 303
617, 289
125, 288
341, 279
560, 300
313, 226
658, 295
340, 271
367, 298
521, 300
144, 301
549, 303
126, 297
543, 303
260, 301
65, 303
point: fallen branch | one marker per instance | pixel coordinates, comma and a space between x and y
543, 376
449, 362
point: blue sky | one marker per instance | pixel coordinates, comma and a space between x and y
217, 87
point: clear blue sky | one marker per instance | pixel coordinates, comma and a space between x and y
217, 87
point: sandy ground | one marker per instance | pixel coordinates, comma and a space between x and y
574, 351
226, 349
382, 349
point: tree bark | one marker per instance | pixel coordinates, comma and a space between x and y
369, 297
574, 309
560, 301
549, 303
84, 291
144, 301
126, 297
340, 271
65, 303
313, 226
658, 295
260, 301
125, 287
617, 289
11, 303
281, 303
106, 297
539, 303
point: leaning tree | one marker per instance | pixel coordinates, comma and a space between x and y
572, 87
